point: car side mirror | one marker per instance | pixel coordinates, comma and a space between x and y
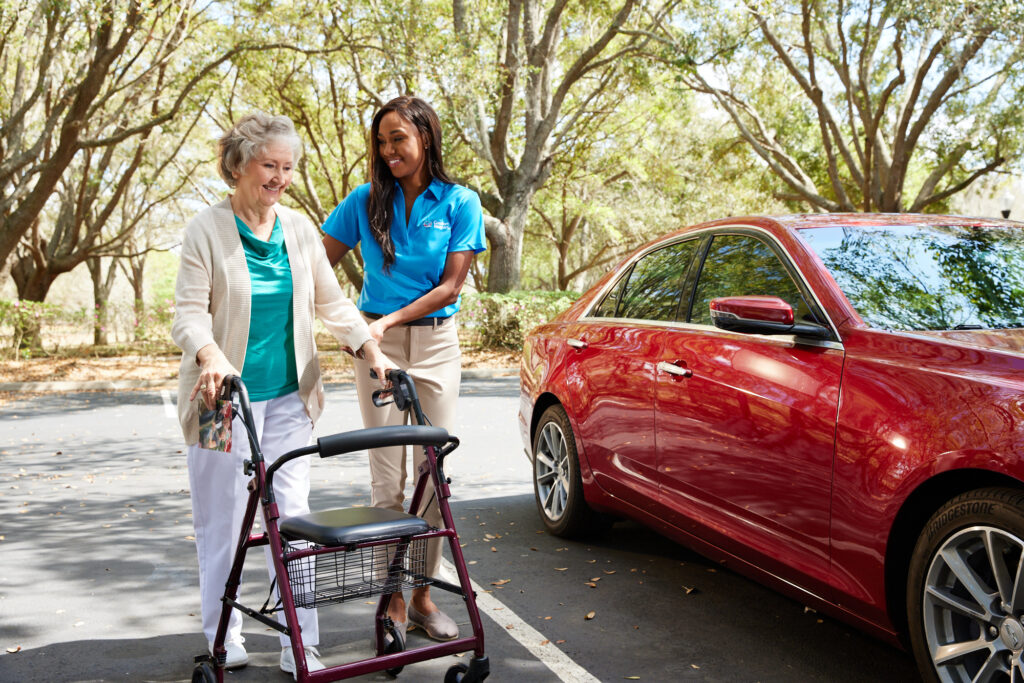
761, 315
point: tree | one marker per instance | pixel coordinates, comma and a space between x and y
654, 161
83, 75
877, 105
554, 62
104, 197
516, 78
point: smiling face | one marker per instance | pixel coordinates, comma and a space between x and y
401, 148
267, 176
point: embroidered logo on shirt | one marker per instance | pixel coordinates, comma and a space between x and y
437, 225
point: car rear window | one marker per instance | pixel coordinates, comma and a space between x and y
916, 277
655, 284
650, 289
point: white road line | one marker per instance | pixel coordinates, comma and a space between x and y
169, 409
527, 636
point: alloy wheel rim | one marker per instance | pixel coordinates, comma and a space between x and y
551, 471
973, 606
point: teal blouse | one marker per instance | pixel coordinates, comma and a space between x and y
269, 369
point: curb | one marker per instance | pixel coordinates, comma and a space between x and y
123, 384
89, 385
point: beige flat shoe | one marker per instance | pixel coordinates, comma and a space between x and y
438, 625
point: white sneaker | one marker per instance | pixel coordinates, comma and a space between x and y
237, 656
288, 661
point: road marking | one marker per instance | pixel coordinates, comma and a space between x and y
169, 409
560, 663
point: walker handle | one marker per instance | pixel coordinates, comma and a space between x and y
382, 437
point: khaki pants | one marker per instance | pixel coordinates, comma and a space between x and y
432, 358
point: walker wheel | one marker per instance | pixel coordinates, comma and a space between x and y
456, 673
396, 645
203, 673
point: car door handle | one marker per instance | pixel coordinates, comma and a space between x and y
677, 368
576, 343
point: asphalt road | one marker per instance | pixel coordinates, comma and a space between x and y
98, 575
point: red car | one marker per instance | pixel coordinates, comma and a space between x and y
831, 404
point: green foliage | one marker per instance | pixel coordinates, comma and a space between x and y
42, 328
23, 320
806, 85
501, 321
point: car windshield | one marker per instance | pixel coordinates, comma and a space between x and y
927, 277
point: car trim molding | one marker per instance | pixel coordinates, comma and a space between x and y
780, 339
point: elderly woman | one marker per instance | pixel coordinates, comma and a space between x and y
253, 275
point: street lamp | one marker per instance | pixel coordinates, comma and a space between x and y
1006, 204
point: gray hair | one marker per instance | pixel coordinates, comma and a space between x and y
249, 138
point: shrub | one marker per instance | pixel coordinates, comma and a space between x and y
24, 320
501, 321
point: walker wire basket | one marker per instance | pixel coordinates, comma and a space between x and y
340, 575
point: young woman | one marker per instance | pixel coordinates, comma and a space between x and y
253, 275
419, 233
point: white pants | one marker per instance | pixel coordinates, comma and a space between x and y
219, 497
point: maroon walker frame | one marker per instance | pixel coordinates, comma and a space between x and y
351, 530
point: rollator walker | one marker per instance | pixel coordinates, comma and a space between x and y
338, 555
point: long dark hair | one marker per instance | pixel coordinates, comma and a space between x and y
380, 205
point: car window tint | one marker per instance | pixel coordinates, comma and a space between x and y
606, 309
654, 288
742, 265
927, 277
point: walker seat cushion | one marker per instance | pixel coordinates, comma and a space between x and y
350, 526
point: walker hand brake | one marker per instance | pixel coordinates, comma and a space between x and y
398, 393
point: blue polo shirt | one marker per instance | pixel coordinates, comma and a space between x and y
444, 219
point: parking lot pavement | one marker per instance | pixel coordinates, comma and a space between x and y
97, 562
98, 576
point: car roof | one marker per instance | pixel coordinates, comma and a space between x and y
823, 220
799, 221
790, 222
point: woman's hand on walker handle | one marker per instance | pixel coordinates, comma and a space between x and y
213, 368
379, 363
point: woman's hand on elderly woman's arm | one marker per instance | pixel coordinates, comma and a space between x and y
213, 368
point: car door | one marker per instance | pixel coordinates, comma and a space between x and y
746, 423
612, 370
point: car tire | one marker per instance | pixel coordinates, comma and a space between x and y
557, 484
965, 589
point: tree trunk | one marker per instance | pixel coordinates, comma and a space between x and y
33, 285
506, 238
135, 272
102, 283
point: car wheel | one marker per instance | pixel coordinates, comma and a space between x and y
557, 484
965, 599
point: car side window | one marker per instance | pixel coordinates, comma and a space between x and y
606, 309
654, 287
742, 265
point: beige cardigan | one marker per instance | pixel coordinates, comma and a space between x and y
212, 303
